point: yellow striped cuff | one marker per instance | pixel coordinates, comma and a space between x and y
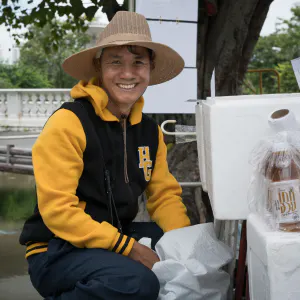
122, 244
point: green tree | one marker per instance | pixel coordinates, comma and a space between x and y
227, 33
46, 12
22, 76
288, 80
48, 62
275, 51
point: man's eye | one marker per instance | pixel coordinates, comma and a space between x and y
139, 62
115, 62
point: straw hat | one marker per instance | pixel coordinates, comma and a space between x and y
126, 28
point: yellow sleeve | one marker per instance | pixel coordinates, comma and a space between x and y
57, 159
164, 202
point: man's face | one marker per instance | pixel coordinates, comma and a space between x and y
125, 76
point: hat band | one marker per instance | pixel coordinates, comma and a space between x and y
124, 38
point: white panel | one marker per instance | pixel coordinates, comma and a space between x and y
170, 97
168, 9
273, 262
232, 127
182, 37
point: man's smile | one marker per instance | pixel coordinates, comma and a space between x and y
127, 87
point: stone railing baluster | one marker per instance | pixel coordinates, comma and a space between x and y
28, 109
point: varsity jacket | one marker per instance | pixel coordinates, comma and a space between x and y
79, 144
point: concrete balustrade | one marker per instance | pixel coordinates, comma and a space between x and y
28, 109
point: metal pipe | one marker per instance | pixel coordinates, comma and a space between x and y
7, 154
16, 160
174, 133
16, 169
232, 243
260, 83
190, 184
16, 151
131, 5
260, 71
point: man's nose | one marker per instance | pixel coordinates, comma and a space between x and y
127, 72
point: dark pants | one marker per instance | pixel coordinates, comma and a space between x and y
65, 272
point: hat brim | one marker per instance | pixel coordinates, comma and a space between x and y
168, 63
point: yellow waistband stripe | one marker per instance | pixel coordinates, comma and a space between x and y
36, 248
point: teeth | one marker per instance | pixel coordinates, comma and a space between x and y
126, 86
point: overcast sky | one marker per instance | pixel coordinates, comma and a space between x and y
278, 9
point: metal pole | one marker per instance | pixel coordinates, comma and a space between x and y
190, 184
16, 161
16, 169
131, 5
260, 83
15, 151
232, 243
8, 152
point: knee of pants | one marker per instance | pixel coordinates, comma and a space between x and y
149, 288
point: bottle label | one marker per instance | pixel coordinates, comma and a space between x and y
285, 199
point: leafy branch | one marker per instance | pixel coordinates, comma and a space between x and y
74, 14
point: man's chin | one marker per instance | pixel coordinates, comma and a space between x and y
128, 101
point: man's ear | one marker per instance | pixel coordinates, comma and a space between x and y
152, 65
99, 80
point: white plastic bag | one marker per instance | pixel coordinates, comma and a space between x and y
191, 262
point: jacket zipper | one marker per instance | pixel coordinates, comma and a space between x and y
124, 130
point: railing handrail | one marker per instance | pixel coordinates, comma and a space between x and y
34, 90
24, 158
18, 137
10, 150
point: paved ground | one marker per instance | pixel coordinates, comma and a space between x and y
18, 287
14, 281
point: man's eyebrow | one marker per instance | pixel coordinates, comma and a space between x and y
139, 56
115, 56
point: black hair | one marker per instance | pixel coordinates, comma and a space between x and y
132, 49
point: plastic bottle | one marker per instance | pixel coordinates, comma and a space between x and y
283, 175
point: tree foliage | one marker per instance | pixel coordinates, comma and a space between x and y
227, 32
275, 51
47, 12
22, 76
33, 54
37, 68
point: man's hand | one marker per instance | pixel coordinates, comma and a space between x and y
143, 255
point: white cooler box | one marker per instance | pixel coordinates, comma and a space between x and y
228, 128
273, 262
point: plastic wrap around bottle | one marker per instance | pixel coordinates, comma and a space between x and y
275, 185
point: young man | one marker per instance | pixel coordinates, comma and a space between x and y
93, 159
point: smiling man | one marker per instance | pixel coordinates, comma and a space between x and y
93, 159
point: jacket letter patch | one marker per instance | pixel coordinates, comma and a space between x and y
145, 163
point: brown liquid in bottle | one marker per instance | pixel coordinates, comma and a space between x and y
284, 193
